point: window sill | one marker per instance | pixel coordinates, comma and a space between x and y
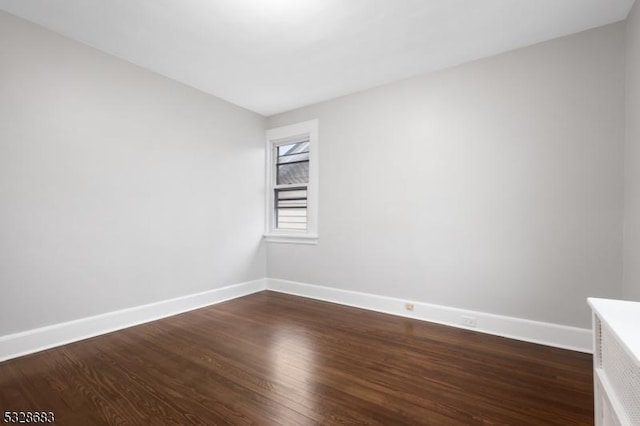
291, 239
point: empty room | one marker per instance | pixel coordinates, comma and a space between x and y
320, 212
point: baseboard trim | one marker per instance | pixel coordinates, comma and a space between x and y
30, 341
560, 336
36, 340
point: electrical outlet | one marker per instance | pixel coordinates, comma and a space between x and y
408, 306
468, 321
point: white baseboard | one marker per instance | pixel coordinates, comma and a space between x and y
561, 336
18, 344
30, 341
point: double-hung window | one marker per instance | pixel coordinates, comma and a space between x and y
292, 183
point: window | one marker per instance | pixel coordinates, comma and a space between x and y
292, 183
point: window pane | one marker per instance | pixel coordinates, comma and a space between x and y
292, 149
293, 173
294, 158
291, 208
293, 163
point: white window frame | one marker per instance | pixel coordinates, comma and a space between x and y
276, 137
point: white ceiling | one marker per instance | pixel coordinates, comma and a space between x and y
275, 55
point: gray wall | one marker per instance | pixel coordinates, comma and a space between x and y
631, 283
118, 187
494, 186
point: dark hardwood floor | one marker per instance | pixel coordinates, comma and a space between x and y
274, 359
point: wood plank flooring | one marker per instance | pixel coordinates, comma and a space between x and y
274, 359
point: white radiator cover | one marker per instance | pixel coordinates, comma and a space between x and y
616, 361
